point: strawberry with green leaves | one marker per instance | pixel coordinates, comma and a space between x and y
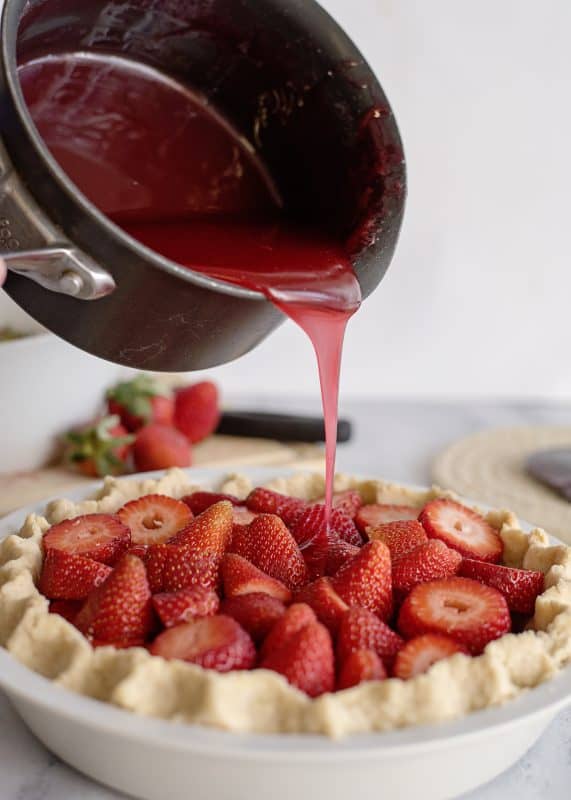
99, 449
139, 402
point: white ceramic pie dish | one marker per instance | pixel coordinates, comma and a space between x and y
160, 760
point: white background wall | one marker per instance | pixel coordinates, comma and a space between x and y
477, 299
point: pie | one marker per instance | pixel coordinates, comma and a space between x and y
241, 610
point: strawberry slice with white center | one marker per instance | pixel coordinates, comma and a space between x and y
182, 606
218, 643
361, 666
239, 576
420, 653
520, 587
461, 528
366, 580
66, 576
468, 611
120, 610
102, 537
374, 514
257, 613
154, 518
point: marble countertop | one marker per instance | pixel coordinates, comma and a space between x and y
396, 440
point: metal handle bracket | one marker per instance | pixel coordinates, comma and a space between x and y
63, 270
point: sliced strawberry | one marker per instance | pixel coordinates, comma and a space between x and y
218, 643
296, 617
257, 613
182, 606
154, 518
339, 554
66, 576
420, 653
102, 537
265, 501
462, 529
139, 550
468, 611
197, 410
375, 514
160, 447
242, 515
322, 545
140, 401
428, 562
366, 580
68, 609
324, 600
155, 559
239, 576
360, 666
360, 629
311, 526
400, 537
183, 567
200, 501
208, 534
119, 610
349, 501
269, 545
306, 660
520, 587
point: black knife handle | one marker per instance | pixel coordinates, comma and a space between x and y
284, 427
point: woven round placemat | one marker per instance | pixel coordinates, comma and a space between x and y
490, 467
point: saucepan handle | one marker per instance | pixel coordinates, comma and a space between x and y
62, 269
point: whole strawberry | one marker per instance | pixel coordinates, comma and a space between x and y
139, 402
99, 449
197, 410
159, 447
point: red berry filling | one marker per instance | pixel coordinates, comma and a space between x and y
268, 585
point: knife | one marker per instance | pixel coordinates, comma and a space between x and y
284, 427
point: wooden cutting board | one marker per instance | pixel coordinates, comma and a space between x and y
23, 488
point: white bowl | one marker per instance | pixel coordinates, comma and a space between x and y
158, 760
46, 387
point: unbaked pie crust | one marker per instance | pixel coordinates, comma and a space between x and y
260, 701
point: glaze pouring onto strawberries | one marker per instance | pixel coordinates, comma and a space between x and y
205, 201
